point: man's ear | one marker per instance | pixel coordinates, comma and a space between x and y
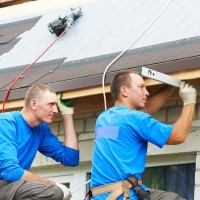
123, 90
33, 104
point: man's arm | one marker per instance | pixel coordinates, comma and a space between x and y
70, 138
157, 100
182, 125
33, 177
67, 111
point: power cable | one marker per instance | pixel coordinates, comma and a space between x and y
75, 13
79, 187
131, 44
25, 70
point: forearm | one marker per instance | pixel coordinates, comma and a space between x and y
157, 100
33, 177
70, 138
182, 125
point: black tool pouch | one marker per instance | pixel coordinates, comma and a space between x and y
142, 194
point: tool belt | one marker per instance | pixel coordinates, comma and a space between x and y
117, 188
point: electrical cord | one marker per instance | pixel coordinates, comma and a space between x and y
73, 15
131, 44
79, 187
24, 71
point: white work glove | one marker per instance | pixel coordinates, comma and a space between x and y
187, 93
67, 193
66, 107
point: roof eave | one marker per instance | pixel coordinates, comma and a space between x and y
179, 58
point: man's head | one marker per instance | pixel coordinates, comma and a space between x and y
128, 88
41, 101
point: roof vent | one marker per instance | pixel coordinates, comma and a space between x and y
59, 25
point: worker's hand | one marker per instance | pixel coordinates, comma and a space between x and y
67, 193
187, 93
66, 106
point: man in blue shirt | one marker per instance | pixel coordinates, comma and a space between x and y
122, 134
22, 134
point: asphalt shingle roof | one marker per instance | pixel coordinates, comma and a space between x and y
104, 30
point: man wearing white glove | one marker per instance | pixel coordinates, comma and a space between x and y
129, 123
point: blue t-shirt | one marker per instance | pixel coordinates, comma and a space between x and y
20, 142
120, 149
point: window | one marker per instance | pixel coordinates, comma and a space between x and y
66, 184
174, 178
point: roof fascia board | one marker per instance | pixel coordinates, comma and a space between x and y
87, 93
183, 75
86, 83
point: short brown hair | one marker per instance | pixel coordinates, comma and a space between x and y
120, 79
36, 91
